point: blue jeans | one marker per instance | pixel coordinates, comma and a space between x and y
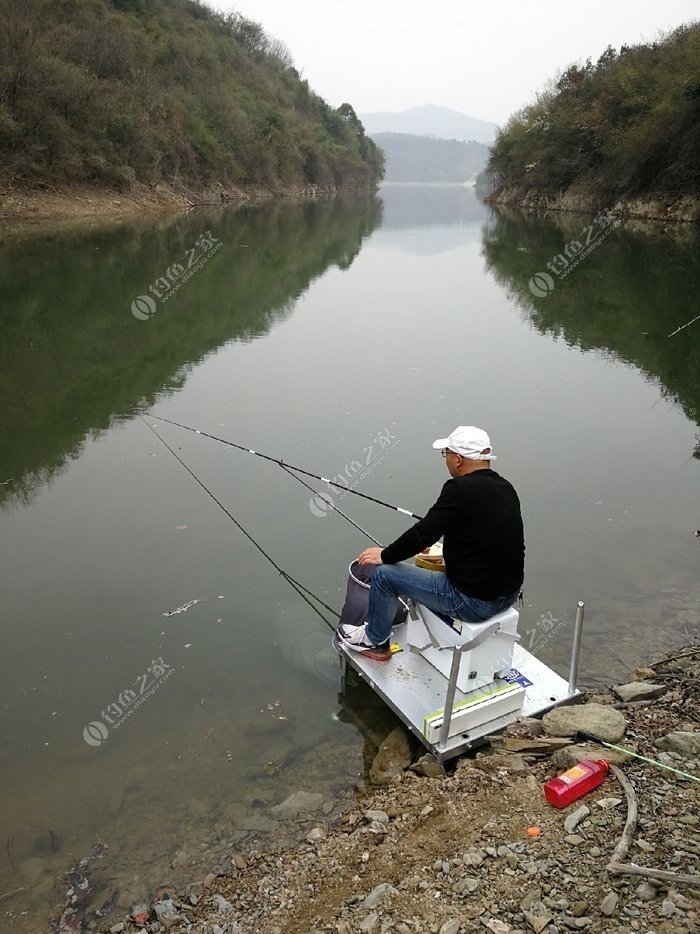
432, 589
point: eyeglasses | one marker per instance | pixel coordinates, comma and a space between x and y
445, 452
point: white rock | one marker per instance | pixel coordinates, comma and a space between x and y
450, 927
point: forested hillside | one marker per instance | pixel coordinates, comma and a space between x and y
623, 126
120, 91
425, 159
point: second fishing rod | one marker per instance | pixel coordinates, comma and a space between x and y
285, 465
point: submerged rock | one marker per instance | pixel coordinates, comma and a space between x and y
301, 802
393, 758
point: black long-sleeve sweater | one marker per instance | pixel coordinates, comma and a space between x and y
479, 518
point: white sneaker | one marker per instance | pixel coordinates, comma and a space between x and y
355, 637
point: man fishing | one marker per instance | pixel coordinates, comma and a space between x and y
478, 517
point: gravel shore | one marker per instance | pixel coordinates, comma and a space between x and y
477, 847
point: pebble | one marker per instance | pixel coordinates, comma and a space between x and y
451, 927
646, 847
646, 891
315, 835
380, 816
512, 860
595, 851
571, 821
668, 909
573, 839
379, 895
609, 904
370, 922
222, 902
117, 928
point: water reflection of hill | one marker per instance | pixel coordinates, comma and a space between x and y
72, 356
624, 299
430, 206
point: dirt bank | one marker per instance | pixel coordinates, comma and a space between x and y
429, 851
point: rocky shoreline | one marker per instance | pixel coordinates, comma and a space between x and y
475, 847
658, 205
23, 206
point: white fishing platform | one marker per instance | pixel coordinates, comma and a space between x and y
454, 684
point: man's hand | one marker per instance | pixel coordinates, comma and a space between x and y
371, 556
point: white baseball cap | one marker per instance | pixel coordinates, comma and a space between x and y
467, 441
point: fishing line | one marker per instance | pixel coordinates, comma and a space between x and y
331, 505
636, 755
281, 463
300, 589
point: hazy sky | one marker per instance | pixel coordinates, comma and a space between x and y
484, 58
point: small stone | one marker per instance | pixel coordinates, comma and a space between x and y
680, 901
639, 690
579, 908
668, 909
472, 858
428, 767
571, 821
645, 891
117, 928
643, 845
573, 839
609, 904
595, 852
193, 900
166, 911
209, 880
496, 926
451, 927
380, 816
512, 860
379, 895
315, 835
239, 861
222, 902
537, 922
370, 922
607, 803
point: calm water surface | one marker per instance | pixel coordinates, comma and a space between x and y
314, 333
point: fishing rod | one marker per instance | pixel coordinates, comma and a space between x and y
281, 463
300, 589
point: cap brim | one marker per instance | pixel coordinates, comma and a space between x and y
440, 443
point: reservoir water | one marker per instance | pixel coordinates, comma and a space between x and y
162, 686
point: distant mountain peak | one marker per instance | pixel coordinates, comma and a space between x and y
430, 120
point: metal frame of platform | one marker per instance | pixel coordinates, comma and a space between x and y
414, 689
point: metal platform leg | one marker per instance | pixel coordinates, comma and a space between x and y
576, 648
